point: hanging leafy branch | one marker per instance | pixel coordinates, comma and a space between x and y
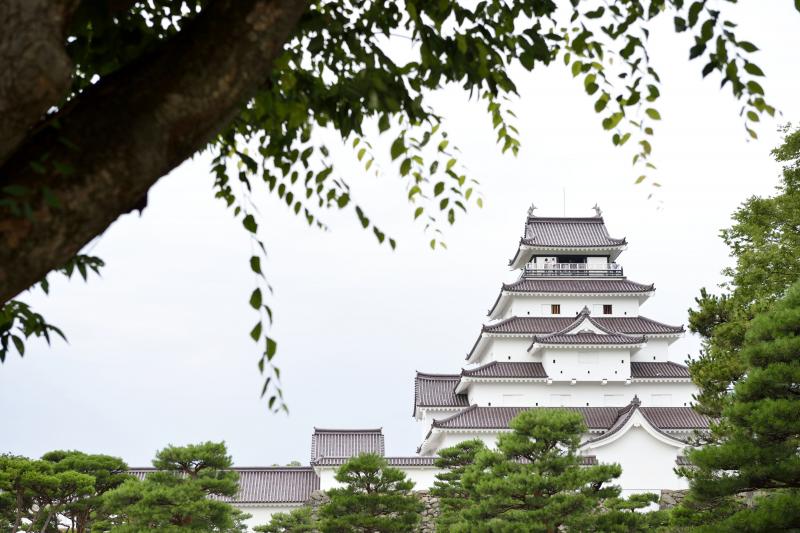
150, 83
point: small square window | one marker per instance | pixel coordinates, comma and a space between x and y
555, 309
607, 309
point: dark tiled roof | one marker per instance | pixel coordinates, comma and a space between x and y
682, 461
587, 338
497, 369
596, 418
393, 461
656, 369
537, 325
568, 232
345, 442
267, 485
606, 419
636, 325
437, 390
674, 417
590, 286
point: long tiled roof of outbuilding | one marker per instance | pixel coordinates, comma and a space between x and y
437, 390
499, 369
579, 286
393, 461
568, 232
345, 442
537, 325
658, 369
266, 485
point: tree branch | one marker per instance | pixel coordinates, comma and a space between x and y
36, 68
104, 152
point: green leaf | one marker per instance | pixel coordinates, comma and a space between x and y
255, 264
753, 69
272, 348
398, 148
249, 223
256, 299
255, 333
652, 113
640, 179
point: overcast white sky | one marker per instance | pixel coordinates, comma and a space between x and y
158, 347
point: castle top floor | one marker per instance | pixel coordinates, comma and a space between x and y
567, 246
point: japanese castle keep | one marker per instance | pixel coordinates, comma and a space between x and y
568, 333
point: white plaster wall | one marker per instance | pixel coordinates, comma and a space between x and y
429, 415
262, 514
520, 394
647, 463
572, 305
514, 349
423, 478
588, 364
446, 440
654, 350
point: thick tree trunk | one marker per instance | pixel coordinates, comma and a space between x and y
36, 69
119, 137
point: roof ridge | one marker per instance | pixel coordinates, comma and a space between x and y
344, 430
429, 375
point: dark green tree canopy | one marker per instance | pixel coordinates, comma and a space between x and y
108, 96
765, 243
375, 498
62, 491
534, 481
759, 434
183, 494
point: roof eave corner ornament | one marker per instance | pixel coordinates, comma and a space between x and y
598, 212
531, 209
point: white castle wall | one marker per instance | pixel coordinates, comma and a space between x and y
515, 349
572, 305
261, 514
423, 477
427, 416
520, 394
588, 364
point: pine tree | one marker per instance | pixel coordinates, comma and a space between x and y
757, 439
448, 486
375, 498
534, 482
298, 521
183, 494
765, 243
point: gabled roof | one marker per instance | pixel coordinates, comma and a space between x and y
277, 485
565, 233
579, 232
581, 286
534, 286
499, 369
658, 369
603, 420
596, 418
544, 325
674, 418
437, 390
535, 325
345, 442
589, 338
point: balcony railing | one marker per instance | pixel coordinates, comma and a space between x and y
534, 270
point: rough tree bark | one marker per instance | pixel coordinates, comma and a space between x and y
124, 133
36, 69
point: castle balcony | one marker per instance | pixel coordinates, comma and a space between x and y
539, 270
